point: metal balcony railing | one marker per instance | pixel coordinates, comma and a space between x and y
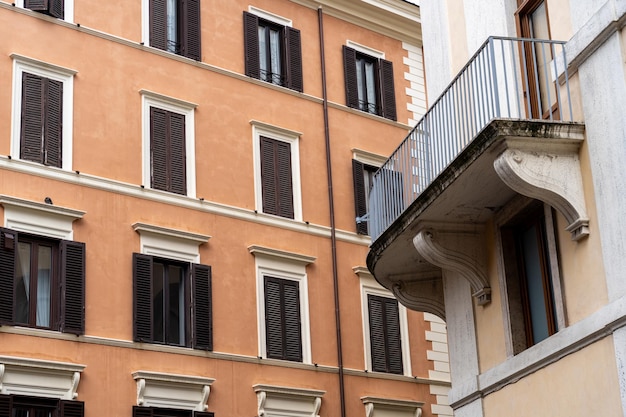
512, 78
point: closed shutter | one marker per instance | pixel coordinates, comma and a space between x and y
276, 178
360, 205
31, 130
202, 414
284, 179
177, 158
349, 68
158, 148
202, 306
293, 334
388, 92
53, 122
251, 45
73, 287
142, 411
386, 350
282, 319
158, 24
294, 55
142, 297
52, 7
5, 406
8, 246
71, 408
57, 8
191, 30
394, 347
274, 340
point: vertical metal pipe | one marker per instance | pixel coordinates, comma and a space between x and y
331, 203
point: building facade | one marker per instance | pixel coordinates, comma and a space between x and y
502, 212
178, 204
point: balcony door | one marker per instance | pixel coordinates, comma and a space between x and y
540, 92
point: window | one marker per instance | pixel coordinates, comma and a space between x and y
61, 9
42, 113
369, 83
174, 26
272, 50
531, 270
21, 406
363, 177
168, 144
172, 302
167, 412
42, 282
277, 172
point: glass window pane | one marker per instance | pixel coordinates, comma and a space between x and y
172, 19
360, 82
534, 284
158, 302
275, 56
263, 58
22, 290
44, 269
370, 81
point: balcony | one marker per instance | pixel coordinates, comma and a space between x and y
503, 127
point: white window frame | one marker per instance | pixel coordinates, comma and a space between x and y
277, 133
68, 12
169, 243
22, 64
145, 22
152, 99
284, 265
369, 286
374, 53
269, 16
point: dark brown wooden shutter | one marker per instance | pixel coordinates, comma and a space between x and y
294, 56
8, 247
71, 408
202, 307
158, 24
360, 205
276, 177
385, 346
388, 92
73, 287
293, 334
282, 319
53, 122
177, 158
273, 319
31, 129
142, 297
191, 29
6, 406
142, 411
158, 148
251, 45
394, 346
203, 414
57, 8
52, 7
349, 70
37, 5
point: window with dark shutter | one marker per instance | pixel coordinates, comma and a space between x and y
167, 151
203, 314
282, 319
276, 177
53, 8
18, 406
384, 326
273, 52
8, 241
166, 412
71, 408
175, 27
42, 120
73, 284
362, 176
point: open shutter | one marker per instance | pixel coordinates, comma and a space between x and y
8, 247
159, 133
388, 93
360, 205
274, 326
349, 70
71, 408
394, 347
177, 162
202, 414
293, 334
377, 333
31, 130
37, 5
191, 30
56, 8
158, 24
52, 7
73, 287
202, 304
294, 55
6, 406
251, 44
284, 183
142, 411
53, 122
142, 297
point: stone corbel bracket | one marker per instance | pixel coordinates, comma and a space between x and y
279, 400
550, 173
458, 248
389, 406
155, 389
421, 295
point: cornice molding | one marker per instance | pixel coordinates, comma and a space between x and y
257, 250
157, 389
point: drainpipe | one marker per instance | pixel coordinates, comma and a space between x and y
331, 204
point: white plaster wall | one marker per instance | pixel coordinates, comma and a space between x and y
486, 18
581, 11
436, 41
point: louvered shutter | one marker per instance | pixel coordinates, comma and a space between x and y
31, 130
251, 45
386, 350
268, 176
274, 325
6, 406
158, 148
377, 334
73, 287
142, 297
294, 55
202, 306
284, 183
293, 334
8, 247
388, 93
142, 411
52, 7
191, 30
158, 24
349, 69
203, 414
37, 5
177, 159
394, 347
71, 408
360, 205
56, 8
53, 122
